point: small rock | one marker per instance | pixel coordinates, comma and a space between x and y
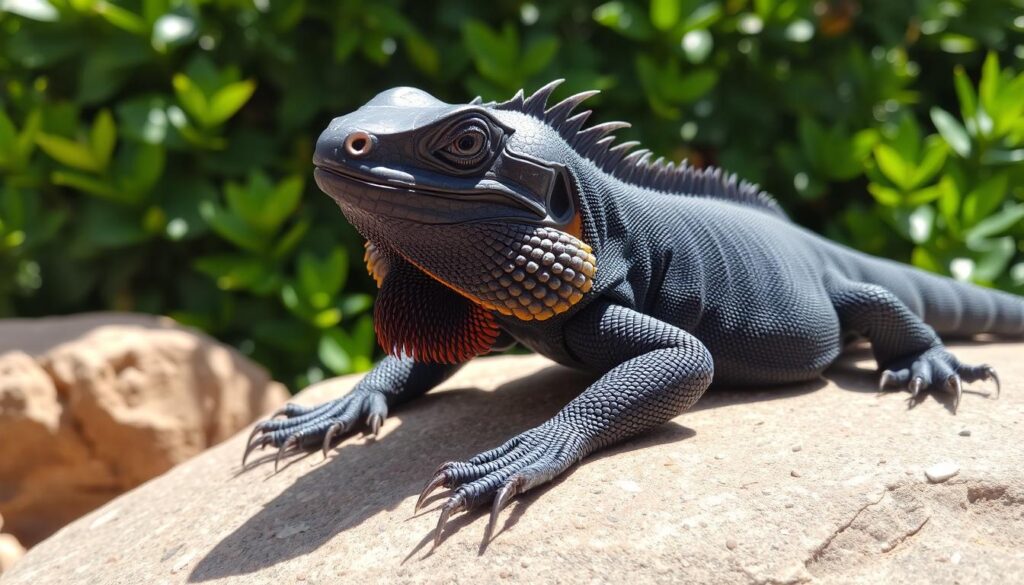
719, 456
955, 558
797, 448
940, 472
730, 544
965, 433
628, 486
795, 473
10, 551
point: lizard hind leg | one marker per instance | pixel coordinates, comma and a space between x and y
908, 351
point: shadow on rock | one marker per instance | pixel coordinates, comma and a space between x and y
360, 479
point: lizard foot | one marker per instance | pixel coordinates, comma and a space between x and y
305, 428
934, 368
524, 462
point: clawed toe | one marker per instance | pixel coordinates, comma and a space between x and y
935, 369
499, 475
306, 428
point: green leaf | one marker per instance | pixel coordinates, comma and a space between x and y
921, 196
887, 196
931, 163
228, 100
965, 94
232, 228
69, 152
8, 137
86, 184
984, 199
494, 55
988, 87
892, 165
320, 280
626, 18
139, 170
238, 272
539, 54
665, 13
423, 54
103, 137
40, 10
331, 351
290, 240
121, 18
952, 131
1000, 156
691, 86
997, 223
191, 97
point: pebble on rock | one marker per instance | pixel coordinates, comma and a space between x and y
940, 472
965, 433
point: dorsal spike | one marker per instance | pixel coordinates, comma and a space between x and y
556, 114
572, 126
514, 104
637, 156
587, 138
617, 152
536, 103
476, 101
624, 147
596, 144
598, 151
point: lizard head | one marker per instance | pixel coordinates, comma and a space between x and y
408, 156
478, 196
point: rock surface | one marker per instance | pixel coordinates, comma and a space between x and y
106, 402
709, 497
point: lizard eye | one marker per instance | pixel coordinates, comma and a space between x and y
466, 145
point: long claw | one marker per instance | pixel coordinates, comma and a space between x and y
455, 504
375, 421
886, 380
915, 386
253, 445
504, 496
956, 387
332, 431
288, 444
990, 373
437, 481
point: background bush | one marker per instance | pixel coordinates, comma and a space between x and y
155, 154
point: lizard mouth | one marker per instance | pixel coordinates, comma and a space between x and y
401, 195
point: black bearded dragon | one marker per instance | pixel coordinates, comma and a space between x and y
493, 223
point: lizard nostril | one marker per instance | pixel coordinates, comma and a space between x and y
358, 143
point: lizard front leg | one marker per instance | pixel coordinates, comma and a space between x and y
394, 380
652, 372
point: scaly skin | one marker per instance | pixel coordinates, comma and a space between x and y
490, 222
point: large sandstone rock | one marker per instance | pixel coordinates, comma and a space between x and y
818, 483
107, 402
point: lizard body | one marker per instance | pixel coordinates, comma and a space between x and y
500, 222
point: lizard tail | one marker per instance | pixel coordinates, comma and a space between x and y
952, 308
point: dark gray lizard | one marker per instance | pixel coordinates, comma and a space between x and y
488, 223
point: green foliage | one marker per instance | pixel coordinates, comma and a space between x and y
155, 153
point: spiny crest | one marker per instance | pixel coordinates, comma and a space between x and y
597, 144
